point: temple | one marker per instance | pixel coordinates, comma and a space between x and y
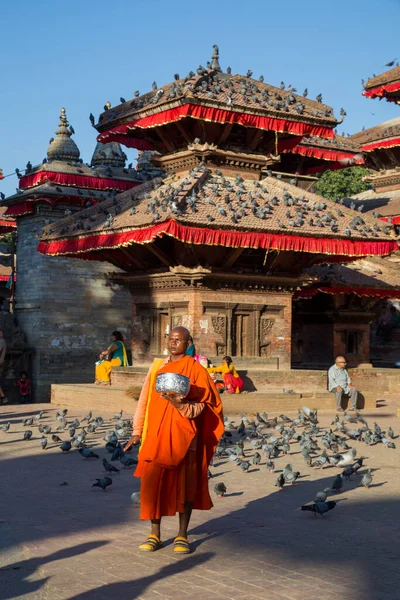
56, 299
230, 241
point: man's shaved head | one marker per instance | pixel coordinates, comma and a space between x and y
183, 331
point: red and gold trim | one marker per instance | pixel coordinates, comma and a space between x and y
8, 224
394, 220
71, 179
216, 237
382, 90
327, 154
216, 115
27, 207
392, 143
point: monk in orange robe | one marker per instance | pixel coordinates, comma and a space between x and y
178, 439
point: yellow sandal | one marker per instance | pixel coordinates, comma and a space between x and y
151, 544
181, 545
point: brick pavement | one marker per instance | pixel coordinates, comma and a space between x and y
74, 542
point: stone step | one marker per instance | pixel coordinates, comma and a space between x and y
113, 398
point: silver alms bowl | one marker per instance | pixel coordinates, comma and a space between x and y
172, 383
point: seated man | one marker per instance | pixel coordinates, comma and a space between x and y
339, 383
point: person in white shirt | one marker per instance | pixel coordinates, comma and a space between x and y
339, 383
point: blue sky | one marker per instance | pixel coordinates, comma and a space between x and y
79, 54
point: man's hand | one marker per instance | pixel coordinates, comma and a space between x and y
175, 399
339, 389
135, 439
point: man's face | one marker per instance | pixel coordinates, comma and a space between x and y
178, 342
340, 362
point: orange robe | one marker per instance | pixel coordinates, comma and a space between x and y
176, 451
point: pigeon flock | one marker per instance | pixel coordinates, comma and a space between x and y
276, 438
261, 442
72, 435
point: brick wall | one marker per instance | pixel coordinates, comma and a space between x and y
66, 309
244, 323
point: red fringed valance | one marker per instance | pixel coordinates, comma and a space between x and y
395, 220
381, 144
8, 224
392, 143
70, 179
339, 289
382, 90
327, 154
27, 207
217, 237
217, 115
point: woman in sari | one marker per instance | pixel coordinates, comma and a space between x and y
114, 356
232, 382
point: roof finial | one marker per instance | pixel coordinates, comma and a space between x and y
214, 59
63, 147
63, 119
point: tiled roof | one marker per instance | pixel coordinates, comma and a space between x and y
216, 89
374, 272
338, 143
386, 130
385, 203
208, 199
388, 77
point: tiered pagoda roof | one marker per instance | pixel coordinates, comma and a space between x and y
229, 111
337, 153
386, 85
375, 276
382, 136
62, 178
217, 136
208, 208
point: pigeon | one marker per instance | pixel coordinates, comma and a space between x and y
28, 434
108, 467
66, 446
220, 489
320, 508
348, 458
136, 499
56, 439
45, 429
377, 429
103, 483
337, 483
117, 416
347, 473
27, 422
366, 479
291, 477
43, 443
117, 453
280, 482
87, 453
388, 443
244, 465
322, 496
390, 433
127, 461
256, 458
270, 466
5, 427
88, 417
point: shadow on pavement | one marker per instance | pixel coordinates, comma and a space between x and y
14, 578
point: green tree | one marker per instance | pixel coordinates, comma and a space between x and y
342, 183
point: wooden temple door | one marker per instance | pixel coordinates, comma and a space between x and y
163, 332
241, 335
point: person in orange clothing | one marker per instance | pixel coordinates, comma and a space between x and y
233, 383
178, 438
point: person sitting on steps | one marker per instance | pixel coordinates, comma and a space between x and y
339, 383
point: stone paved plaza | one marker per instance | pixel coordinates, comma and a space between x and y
62, 539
